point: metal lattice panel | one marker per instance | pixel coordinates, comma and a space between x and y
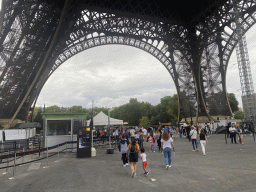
37, 36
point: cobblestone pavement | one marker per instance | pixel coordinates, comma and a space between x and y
226, 167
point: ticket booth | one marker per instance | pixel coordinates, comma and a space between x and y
59, 128
84, 142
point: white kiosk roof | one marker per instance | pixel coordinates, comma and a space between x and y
102, 119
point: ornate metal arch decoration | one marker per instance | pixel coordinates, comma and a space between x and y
173, 61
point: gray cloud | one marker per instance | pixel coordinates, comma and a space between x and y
110, 75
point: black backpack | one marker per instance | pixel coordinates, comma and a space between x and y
132, 149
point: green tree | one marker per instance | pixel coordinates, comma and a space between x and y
76, 109
173, 108
133, 111
167, 110
144, 121
233, 102
239, 115
36, 109
38, 117
53, 109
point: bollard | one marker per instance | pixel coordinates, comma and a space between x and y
14, 168
39, 149
3, 146
23, 156
66, 150
46, 160
7, 165
58, 154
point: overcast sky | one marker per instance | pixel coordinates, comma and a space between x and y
112, 74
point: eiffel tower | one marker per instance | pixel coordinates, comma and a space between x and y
193, 40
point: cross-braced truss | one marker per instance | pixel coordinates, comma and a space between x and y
38, 36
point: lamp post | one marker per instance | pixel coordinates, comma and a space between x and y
110, 150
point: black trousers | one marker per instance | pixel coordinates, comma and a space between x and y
124, 158
233, 136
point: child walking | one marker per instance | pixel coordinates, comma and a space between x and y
152, 141
144, 161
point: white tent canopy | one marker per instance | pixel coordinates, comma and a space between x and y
102, 119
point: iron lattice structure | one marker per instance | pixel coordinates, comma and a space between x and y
248, 95
37, 36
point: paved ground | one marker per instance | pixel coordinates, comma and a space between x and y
226, 167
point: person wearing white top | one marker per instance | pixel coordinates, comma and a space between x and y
167, 145
144, 160
233, 131
144, 133
193, 134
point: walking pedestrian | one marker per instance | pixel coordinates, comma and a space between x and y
144, 161
181, 128
167, 145
188, 128
140, 139
123, 146
152, 141
240, 134
158, 139
193, 134
203, 140
133, 150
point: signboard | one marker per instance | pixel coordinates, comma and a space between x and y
84, 142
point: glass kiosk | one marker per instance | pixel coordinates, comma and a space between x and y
84, 142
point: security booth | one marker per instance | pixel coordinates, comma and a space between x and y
84, 142
61, 127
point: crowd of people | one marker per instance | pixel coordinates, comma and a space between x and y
132, 141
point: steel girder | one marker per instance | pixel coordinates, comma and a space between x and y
195, 54
217, 53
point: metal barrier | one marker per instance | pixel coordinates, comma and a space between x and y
21, 154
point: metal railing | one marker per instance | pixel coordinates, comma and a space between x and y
12, 156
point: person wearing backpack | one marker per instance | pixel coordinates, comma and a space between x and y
133, 150
123, 146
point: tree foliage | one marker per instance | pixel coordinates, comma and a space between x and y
166, 111
239, 115
233, 102
136, 112
144, 121
76, 109
54, 109
38, 117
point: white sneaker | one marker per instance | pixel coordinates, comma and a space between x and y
167, 167
127, 164
170, 166
124, 165
193, 150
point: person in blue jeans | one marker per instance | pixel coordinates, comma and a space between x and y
167, 146
181, 128
193, 135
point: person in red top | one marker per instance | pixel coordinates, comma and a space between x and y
102, 135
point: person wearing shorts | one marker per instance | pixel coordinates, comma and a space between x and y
144, 161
